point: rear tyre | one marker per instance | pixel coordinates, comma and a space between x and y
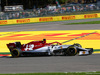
71, 51
16, 52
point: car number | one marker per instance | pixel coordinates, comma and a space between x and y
29, 47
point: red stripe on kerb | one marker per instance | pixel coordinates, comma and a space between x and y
4, 54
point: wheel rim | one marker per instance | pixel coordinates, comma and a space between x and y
72, 50
15, 53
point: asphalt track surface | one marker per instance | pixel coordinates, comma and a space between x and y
52, 63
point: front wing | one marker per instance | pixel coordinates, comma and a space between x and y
86, 51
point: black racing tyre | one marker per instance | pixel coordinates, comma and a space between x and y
78, 45
71, 51
16, 52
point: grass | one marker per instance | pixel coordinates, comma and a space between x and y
77, 73
90, 22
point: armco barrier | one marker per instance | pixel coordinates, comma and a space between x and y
48, 19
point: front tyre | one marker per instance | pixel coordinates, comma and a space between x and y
71, 51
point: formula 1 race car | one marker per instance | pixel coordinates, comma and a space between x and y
39, 48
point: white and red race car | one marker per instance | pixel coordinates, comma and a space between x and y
39, 48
